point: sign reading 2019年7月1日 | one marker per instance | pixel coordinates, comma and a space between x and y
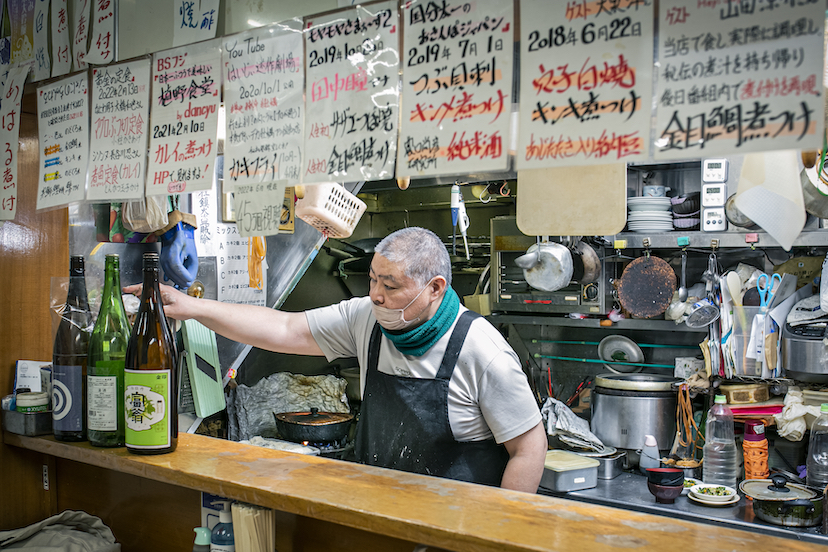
585, 82
457, 59
184, 118
738, 77
352, 94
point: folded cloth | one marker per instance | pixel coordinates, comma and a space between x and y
561, 422
791, 423
69, 531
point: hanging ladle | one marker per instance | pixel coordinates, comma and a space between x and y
682, 291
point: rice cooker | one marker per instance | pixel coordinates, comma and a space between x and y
628, 407
804, 355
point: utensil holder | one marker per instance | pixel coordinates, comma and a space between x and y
742, 323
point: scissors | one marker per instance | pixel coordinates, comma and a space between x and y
765, 285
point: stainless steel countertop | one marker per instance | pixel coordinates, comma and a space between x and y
629, 491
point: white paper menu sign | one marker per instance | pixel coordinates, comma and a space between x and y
118, 141
585, 82
42, 66
738, 77
21, 18
80, 33
184, 115
102, 43
194, 20
61, 51
259, 208
263, 99
352, 94
457, 87
232, 271
12, 93
63, 127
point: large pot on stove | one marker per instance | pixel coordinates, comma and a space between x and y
780, 502
628, 407
313, 426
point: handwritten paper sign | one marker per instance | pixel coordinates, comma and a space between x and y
102, 47
457, 86
194, 20
61, 55
63, 126
80, 33
586, 82
232, 271
263, 98
21, 18
739, 77
42, 65
184, 114
12, 93
352, 101
259, 208
118, 143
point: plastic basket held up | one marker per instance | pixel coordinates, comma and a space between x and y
330, 208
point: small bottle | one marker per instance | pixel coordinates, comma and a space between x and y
650, 457
69, 356
150, 373
721, 465
107, 355
755, 447
202, 539
817, 476
222, 538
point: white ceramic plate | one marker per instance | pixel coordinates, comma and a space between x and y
696, 491
649, 207
694, 482
732, 500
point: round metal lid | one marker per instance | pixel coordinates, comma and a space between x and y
636, 382
768, 489
314, 417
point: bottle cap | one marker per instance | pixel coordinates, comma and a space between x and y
225, 515
720, 399
650, 441
754, 430
823, 407
202, 535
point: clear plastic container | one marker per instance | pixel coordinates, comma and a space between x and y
818, 451
721, 460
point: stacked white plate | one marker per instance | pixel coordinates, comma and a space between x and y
649, 214
648, 203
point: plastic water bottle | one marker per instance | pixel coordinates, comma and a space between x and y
818, 451
721, 462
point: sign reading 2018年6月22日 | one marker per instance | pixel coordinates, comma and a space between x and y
457, 60
585, 82
738, 77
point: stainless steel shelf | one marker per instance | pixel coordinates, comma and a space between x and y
667, 240
625, 324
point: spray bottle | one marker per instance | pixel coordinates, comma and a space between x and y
222, 538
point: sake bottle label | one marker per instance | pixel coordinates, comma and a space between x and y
146, 402
102, 406
67, 398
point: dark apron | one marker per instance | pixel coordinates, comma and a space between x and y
404, 422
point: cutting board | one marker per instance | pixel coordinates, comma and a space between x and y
589, 200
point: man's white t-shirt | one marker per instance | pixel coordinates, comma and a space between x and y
489, 395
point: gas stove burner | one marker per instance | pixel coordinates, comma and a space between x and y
339, 450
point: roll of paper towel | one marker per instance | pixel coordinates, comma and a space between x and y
770, 194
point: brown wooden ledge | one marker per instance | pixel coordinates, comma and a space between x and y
428, 510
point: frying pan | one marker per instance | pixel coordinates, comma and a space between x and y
646, 286
586, 263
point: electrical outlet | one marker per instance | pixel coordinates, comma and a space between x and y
45, 477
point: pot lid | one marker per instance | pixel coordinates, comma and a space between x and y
636, 382
314, 417
777, 489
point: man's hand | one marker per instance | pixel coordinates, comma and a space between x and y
175, 303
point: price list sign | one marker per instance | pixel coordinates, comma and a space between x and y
739, 77
352, 103
63, 126
232, 269
457, 87
184, 116
118, 142
12, 92
263, 98
585, 82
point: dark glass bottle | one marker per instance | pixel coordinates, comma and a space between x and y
150, 373
105, 371
69, 359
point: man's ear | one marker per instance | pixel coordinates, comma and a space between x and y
437, 287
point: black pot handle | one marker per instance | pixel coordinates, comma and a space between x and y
779, 484
786, 506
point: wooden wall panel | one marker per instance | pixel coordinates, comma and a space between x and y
33, 248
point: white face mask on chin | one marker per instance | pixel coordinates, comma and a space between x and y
394, 319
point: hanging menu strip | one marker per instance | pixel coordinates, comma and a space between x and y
12, 93
739, 77
42, 67
61, 55
457, 87
118, 143
263, 98
352, 98
184, 115
63, 126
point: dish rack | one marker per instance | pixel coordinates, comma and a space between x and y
329, 208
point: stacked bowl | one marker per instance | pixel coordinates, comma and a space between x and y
687, 211
649, 214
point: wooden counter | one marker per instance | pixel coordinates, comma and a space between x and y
432, 511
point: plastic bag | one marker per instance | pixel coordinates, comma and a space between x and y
145, 215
